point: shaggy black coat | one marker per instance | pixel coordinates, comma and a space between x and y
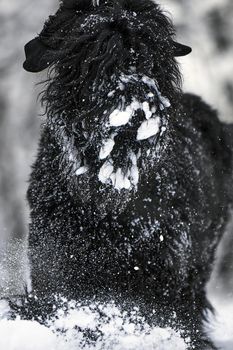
140, 222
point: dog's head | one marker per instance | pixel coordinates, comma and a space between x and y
112, 77
99, 35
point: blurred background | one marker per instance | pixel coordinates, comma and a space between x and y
206, 25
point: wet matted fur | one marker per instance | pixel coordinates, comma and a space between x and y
131, 188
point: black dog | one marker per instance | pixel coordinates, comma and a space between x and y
131, 188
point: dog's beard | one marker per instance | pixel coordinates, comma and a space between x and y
102, 154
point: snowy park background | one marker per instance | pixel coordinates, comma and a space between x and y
207, 26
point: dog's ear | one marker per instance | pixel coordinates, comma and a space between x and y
180, 49
78, 5
38, 56
69, 4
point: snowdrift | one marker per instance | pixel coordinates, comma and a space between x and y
93, 327
105, 327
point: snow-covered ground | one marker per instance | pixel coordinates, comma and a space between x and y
110, 327
114, 328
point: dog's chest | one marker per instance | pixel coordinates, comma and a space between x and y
125, 252
132, 241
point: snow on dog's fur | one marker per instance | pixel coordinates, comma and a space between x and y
130, 191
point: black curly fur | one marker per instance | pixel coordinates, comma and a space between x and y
115, 36
100, 58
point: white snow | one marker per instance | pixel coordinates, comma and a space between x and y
121, 181
134, 175
122, 117
113, 178
111, 93
4, 309
105, 171
150, 95
148, 128
82, 170
81, 317
165, 103
107, 148
133, 158
152, 84
118, 117
119, 330
163, 129
26, 335
149, 82
161, 238
118, 179
95, 2
146, 109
